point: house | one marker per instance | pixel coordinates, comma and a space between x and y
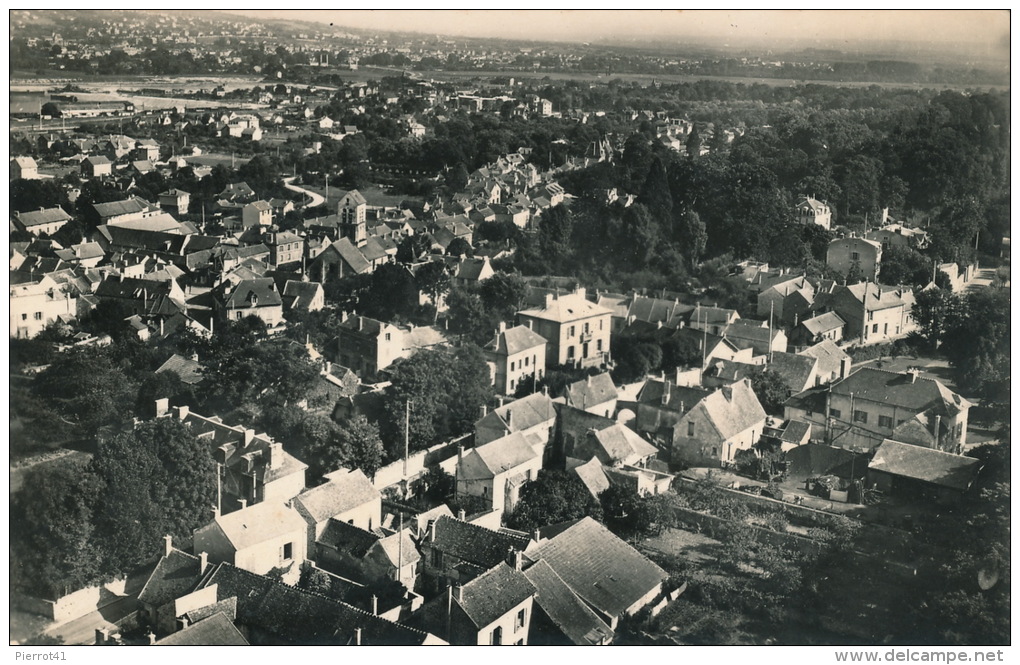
813, 211
340, 259
454, 552
84, 255
188, 370
825, 326
515, 354
560, 617
252, 134
144, 297
325, 122
269, 612
533, 416
24, 168
175, 575
871, 405
612, 578
141, 167
873, 313
237, 194
43, 220
857, 256
472, 271
786, 302
494, 609
285, 247
367, 557
711, 319
613, 445
281, 206
577, 330
253, 467
899, 235
593, 476
799, 372
249, 297
303, 296
914, 472
215, 630
96, 166
133, 209
368, 346
259, 538
496, 471
257, 213
833, 363
175, 201
661, 403
712, 431
146, 150
594, 394
658, 311
348, 497
755, 335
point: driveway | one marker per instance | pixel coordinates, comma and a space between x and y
317, 199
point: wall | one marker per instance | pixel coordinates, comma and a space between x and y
367, 516
285, 488
83, 601
839, 256
264, 556
506, 622
211, 540
443, 455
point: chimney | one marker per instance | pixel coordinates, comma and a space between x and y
194, 357
844, 367
184, 622
162, 407
357, 637
458, 593
432, 531
460, 452
168, 545
375, 605
182, 412
535, 535
216, 512
461, 515
102, 635
152, 637
275, 455
665, 392
530, 324
514, 559
502, 327
243, 502
249, 435
203, 561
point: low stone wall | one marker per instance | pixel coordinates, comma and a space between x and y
713, 525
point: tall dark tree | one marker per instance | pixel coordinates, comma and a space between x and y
655, 192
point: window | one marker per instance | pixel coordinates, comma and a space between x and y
497, 636
387, 337
874, 328
511, 384
871, 316
288, 551
690, 429
526, 363
24, 317
570, 352
834, 413
598, 345
885, 329
437, 559
38, 316
512, 365
570, 332
521, 616
885, 421
855, 256
715, 451
861, 417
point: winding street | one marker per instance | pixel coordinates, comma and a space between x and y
317, 199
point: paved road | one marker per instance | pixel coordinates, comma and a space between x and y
317, 199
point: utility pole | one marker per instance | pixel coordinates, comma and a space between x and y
219, 488
772, 305
407, 430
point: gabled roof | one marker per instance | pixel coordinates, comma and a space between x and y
351, 255
353, 197
925, 464
24, 162
733, 409
593, 477
680, 399
395, 550
830, 357
591, 390
347, 538
823, 323
494, 593
875, 297
619, 443
174, 575
900, 390
344, 491
126, 207
293, 616
298, 294
472, 543
217, 630
189, 371
567, 612
515, 340
496, 457
795, 369
373, 250
520, 414
260, 292
258, 523
601, 569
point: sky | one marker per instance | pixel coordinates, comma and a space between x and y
732, 26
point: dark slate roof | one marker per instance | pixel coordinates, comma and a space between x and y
812, 400
794, 368
568, 612
45, 216
523, 413
591, 390
603, 570
189, 371
343, 492
300, 294
493, 594
217, 630
263, 290
294, 616
474, 544
125, 207
351, 255
901, 390
681, 398
925, 464
175, 575
348, 538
